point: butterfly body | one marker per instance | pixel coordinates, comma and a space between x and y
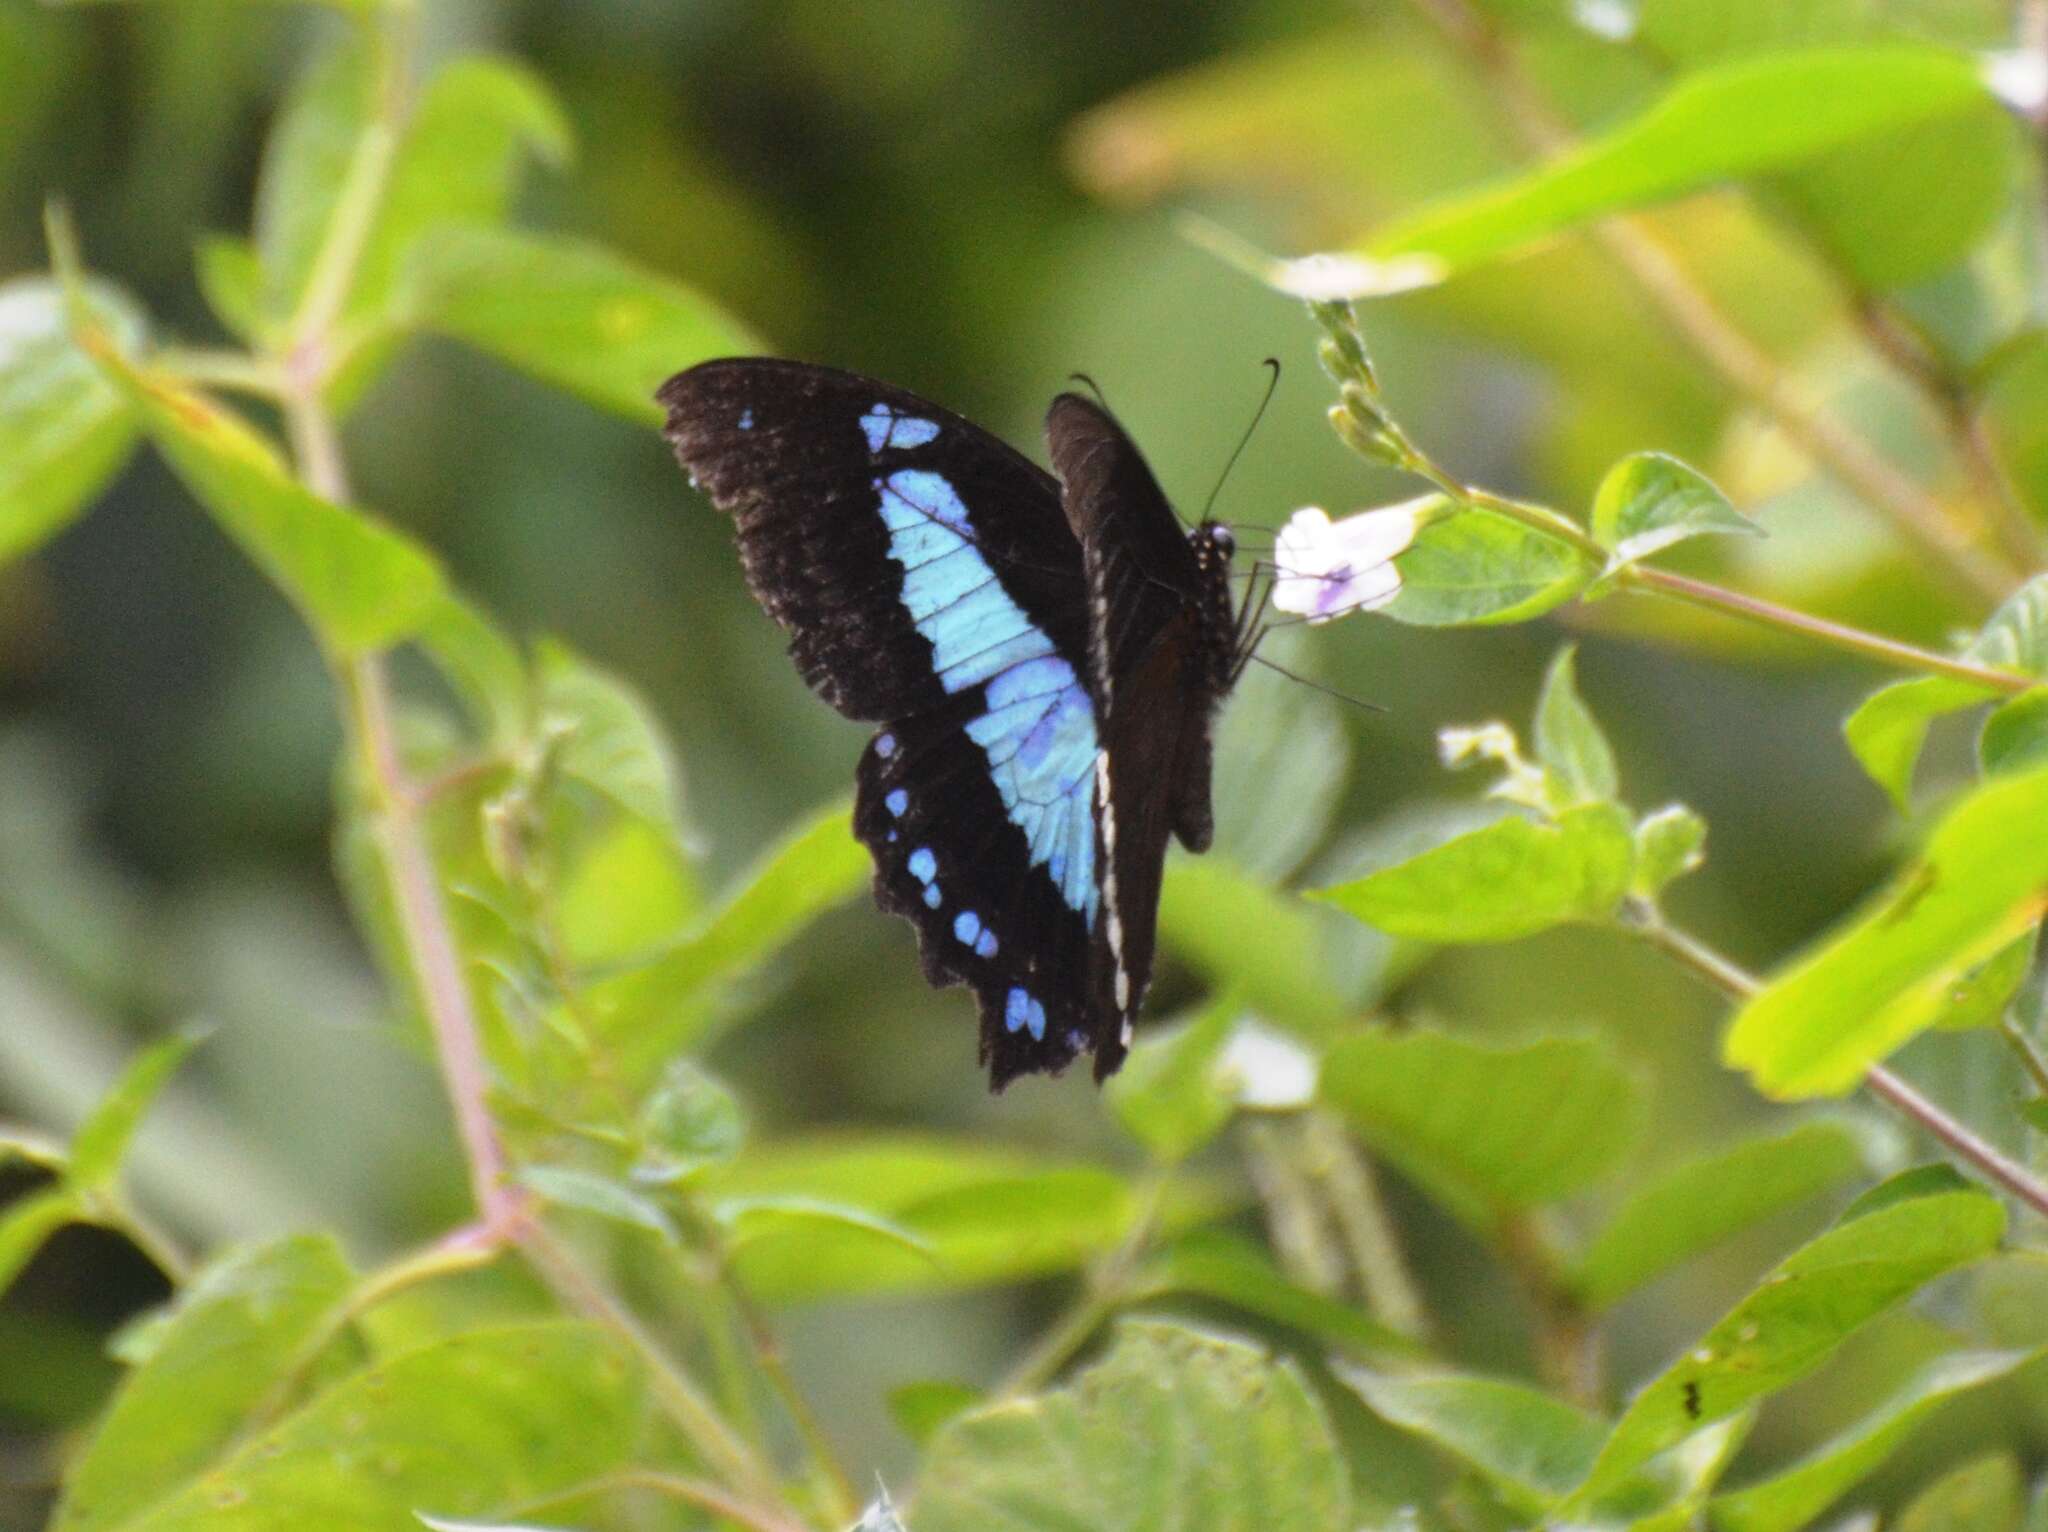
1042, 656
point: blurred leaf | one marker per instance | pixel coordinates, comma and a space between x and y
1983, 1496
1510, 879
589, 1192
306, 161
1240, 934
1479, 567
1486, 1128
1796, 1317
572, 315
1227, 1268
457, 163
1283, 759
461, 1426
1888, 728
1720, 123
1531, 1448
1817, 1026
37, 1149
222, 1361
752, 1218
1669, 843
1795, 1496
630, 889
1699, 1202
64, 428
101, 1142
688, 1123
480, 662
230, 277
2015, 735
1651, 501
613, 741
26, 1224
1568, 739
919, 1409
1980, 996
1234, 1443
1171, 1095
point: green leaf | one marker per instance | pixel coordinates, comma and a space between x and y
226, 1353
1171, 1096
589, 1192
1815, 1028
1796, 1317
64, 428
1979, 997
26, 1224
462, 1427
1669, 842
752, 1218
1531, 1448
1651, 501
1983, 1496
1699, 1202
230, 277
1482, 568
1509, 879
1487, 1128
572, 315
102, 1139
359, 584
613, 741
2015, 735
1568, 740
920, 1408
1232, 1443
1889, 727
1227, 1268
1245, 935
315, 140
688, 1122
1724, 122
1795, 1496
483, 665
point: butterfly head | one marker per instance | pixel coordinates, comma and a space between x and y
1214, 546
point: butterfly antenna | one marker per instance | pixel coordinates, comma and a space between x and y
1328, 691
1092, 386
1272, 383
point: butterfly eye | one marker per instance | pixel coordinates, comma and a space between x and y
1222, 541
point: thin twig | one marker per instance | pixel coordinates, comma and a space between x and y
1366, 1228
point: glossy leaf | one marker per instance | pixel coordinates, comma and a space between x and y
1234, 1443
1651, 501
1725, 122
102, 1139
1816, 1027
570, 314
1796, 1317
1481, 568
1487, 1128
227, 1349
1568, 740
1697, 1203
1793, 1497
1509, 879
64, 428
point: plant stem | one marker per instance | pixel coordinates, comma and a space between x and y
2030, 1057
1744, 365
1962, 1142
1568, 1342
1368, 1232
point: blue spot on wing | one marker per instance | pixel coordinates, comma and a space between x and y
1039, 730
1022, 1012
985, 944
886, 428
746, 420
966, 927
897, 801
923, 865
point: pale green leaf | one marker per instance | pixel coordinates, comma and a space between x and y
570, 314
1171, 1095
751, 1218
2015, 735
1696, 1203
587, 1191
920, 1408
1978, 997
1479, 567
1233, 1442
1982, 1496
1229, 1269
64, 427
1242, 934
1568, 739
1509, 879
230, 277
1669, 842
1888, 728
1725, 122
1487, 1128
227, 1350
483, 665
1816, 1027
1796, 1317
611, 738
306, 160
1651, 501
1793, 1497
689, 1122
26, 1224
102, 1139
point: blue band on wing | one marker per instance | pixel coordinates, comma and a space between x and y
1039, 730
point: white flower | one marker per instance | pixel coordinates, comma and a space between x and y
1325, 569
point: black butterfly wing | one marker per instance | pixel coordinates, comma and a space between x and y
1159, 616
930, 581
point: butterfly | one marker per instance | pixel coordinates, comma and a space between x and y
1042, 652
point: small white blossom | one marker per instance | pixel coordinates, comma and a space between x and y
2019, 78
1272, 1071
1327, 569
1339, 275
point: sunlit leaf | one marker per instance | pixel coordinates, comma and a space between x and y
1669, 842
1487, 1128
1979, 997
1699, 1202
1651, 501
1816, 1027
1233, 1443
1479, 567
1568, 739
102, 1140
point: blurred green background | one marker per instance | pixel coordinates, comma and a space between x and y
935, 192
